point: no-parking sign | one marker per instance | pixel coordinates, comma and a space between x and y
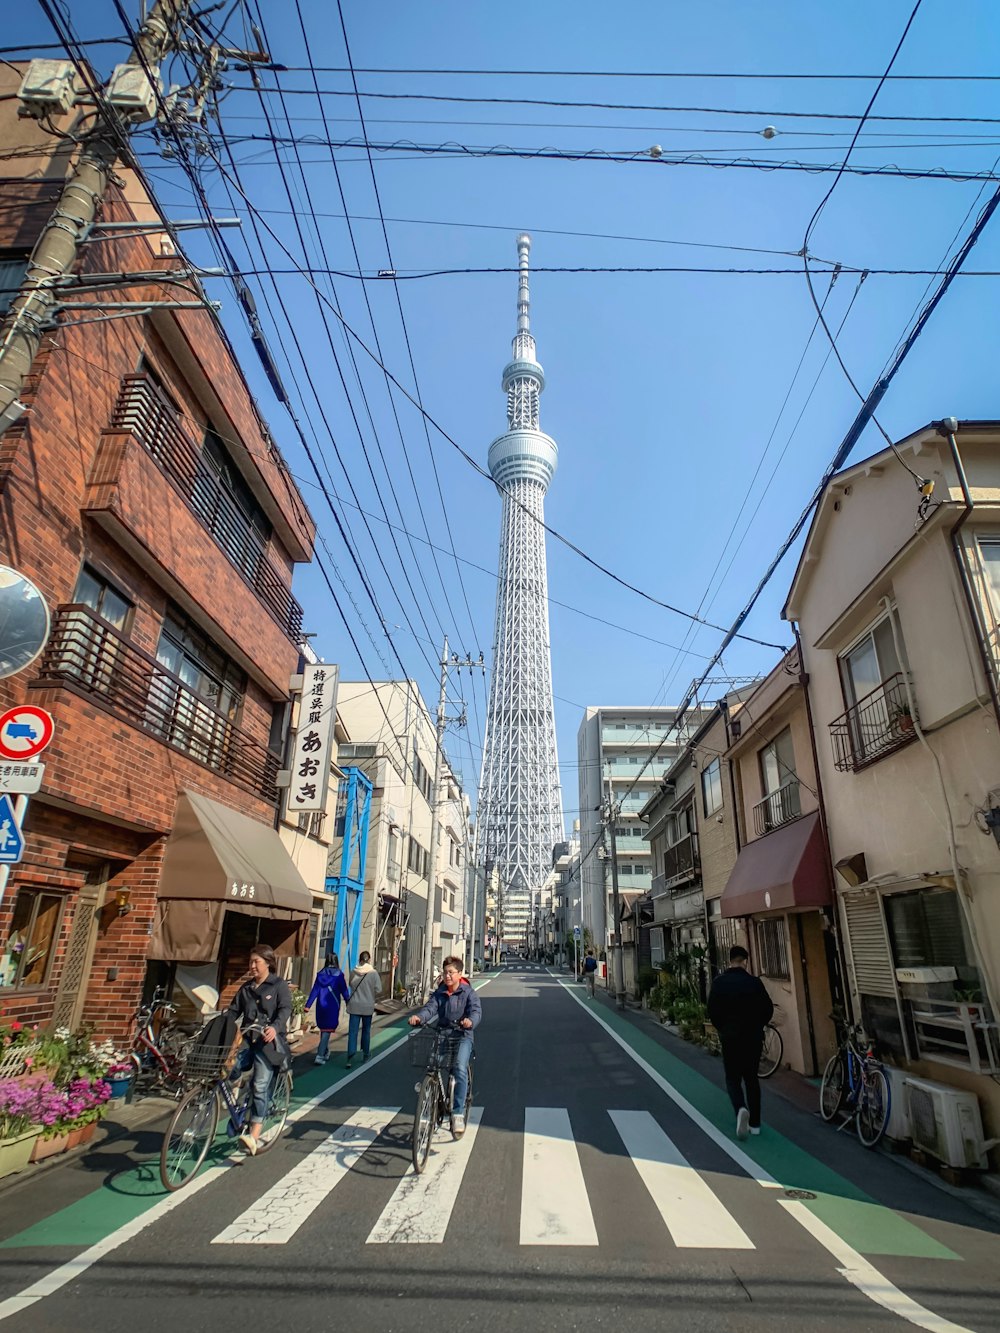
25, 731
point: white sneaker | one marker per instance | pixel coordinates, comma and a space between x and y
742, 1123
755, 1129
249, 1143
320, 1060
458, 1125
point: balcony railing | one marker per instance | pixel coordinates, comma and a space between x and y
680, 862
89, 654
876, 725
777, 809
144, 411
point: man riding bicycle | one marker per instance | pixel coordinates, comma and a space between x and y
454, 1005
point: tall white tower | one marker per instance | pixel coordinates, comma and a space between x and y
520, 808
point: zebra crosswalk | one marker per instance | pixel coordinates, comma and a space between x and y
555, 1206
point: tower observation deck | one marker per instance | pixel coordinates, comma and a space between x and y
520, 814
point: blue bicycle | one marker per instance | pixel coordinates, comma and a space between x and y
855, 1082
193, 1125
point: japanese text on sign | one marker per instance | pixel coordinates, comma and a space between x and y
312, 751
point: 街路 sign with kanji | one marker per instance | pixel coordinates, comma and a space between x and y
313, 747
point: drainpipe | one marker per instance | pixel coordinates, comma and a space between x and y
839, 990
947, 428
961, 884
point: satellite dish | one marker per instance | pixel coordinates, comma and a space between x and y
24, 622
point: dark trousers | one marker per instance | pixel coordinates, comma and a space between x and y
740, 1058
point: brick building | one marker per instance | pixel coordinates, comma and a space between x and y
141, 492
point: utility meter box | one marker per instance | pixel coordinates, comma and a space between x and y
130, 92
47, 88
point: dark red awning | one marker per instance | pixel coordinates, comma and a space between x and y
782, 871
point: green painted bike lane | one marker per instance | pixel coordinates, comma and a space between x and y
864, 1223
130, 1193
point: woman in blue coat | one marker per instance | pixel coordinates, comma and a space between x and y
328, 990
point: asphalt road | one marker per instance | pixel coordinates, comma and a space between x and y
599, 1186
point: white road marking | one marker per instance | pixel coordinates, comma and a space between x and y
857, 1269
555, 1209
53, 1281
695, 1217
276, 1216
420, 1209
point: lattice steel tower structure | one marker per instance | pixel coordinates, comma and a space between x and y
520, 807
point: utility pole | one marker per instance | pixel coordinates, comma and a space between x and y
618, 970
433, 914
57, 248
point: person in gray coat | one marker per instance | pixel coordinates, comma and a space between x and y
366, 987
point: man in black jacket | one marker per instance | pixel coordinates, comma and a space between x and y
739, 1007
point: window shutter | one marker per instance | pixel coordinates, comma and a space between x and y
869, 954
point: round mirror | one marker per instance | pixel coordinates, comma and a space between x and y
24, 622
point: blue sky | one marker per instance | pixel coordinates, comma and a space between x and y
664, 390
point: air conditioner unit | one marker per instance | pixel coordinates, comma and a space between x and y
946, 1123
898, 1127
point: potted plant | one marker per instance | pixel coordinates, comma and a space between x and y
19, 1124
119, 1078
86, 1102
298, 1010
54, 1138
902, 718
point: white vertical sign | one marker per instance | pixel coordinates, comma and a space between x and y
313, 747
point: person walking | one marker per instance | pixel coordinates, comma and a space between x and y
328, 990
590, 971
366, 987
739, 1007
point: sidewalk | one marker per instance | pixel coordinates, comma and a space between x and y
126, 1119
802, 1093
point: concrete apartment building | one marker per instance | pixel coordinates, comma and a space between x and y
897, 602
146, 499
616, 743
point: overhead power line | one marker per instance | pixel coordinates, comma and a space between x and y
641, 74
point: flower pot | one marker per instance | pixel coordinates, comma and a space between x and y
73, 1137
49, 1147
15, 1153
120, 1086
87, 1132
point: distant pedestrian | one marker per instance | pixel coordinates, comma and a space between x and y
590, 971
366, 987
328, 990
739, 1007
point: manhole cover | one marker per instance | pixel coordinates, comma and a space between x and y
799, 1194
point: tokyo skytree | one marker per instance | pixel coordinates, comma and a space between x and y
520, 809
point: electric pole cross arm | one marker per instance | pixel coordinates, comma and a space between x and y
58, 247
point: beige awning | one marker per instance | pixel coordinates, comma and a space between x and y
218, 860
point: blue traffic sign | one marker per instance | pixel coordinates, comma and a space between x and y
576, 932
11, 837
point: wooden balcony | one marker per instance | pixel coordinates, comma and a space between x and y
89, 655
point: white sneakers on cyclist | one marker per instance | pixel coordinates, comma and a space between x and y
458, 1125
249, 1143
755, 1129
742, 1123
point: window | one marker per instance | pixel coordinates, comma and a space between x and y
781, 786
926, 930
311, 822
226, 505
89, 652
12, 274
421, 778
417, 858
772, 951
711, 787
878, 712
625, 870
34, 930
196, 712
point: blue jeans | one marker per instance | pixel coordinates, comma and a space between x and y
260, 1088
365, 1023
323, 1048
461, 1071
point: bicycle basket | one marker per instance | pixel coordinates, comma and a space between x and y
204, 1062
432, 1049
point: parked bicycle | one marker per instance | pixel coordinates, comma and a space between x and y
414, 993
855, 1083
194, 1124
434, 1052
159, 1046
770, 1052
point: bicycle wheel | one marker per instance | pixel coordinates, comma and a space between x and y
770, 1052
277, 1112
424, 1120
873, 1107
831, 1092
188, 1136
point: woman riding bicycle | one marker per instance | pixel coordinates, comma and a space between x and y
454, 1005
265, 1000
